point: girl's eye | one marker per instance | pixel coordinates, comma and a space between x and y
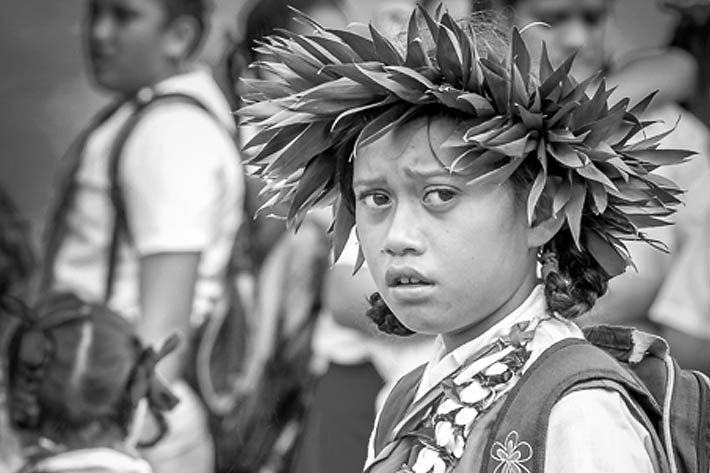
123, 14
374, 200
438, 197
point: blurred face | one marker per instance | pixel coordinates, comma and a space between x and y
128, 43
448, 257
574, 26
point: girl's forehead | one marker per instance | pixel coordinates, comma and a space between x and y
415, 147
425, 133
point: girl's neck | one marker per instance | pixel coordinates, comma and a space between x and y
453, 340
167, 73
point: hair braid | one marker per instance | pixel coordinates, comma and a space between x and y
383, 317
573, 278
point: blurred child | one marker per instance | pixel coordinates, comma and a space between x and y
17, 263
79, 380
463, 163
149, 207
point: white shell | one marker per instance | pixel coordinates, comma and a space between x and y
425, 460
474, 392
495, 369
443, 431
458, 447
465, 416
447, 406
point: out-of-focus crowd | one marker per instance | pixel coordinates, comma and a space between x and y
155, 228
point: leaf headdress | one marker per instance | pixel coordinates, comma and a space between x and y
337, 89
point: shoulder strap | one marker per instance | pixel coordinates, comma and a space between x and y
396, 405
560, 368
56, 226
120, 224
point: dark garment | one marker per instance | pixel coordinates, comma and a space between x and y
338, 425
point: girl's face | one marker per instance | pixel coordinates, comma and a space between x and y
448, 257
573, 26
130, 43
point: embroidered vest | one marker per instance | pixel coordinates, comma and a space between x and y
506, 437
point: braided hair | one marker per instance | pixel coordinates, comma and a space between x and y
72, 365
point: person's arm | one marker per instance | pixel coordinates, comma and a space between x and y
175, 179
167, 283
671, 71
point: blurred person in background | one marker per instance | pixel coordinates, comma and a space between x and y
150, 203
77, 378
681, 310
692, 34
682, 307
581, 28
17, 263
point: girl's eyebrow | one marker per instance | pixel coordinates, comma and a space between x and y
369, 182
428, 173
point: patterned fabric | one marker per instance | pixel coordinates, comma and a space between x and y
432, 436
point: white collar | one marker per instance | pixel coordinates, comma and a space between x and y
442, 364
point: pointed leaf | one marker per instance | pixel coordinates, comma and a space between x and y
316, 175
660, 157
521, 56
565, 155
499, 175
448, 56
573, 211
641, 107
480, 104
552, 82
342, 226
604, 252
535, 193
432, 25
361, 45
386, 52
599, 197
546, 68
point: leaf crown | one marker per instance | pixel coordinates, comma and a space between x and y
335, 90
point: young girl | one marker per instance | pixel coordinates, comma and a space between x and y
464, 166
77, 376
161, 262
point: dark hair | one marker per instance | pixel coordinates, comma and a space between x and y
199, 10
72, 364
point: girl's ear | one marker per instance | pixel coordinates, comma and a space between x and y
181, 37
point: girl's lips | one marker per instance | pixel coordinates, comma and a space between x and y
405, 277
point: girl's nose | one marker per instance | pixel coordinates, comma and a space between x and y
100, 27
404, 235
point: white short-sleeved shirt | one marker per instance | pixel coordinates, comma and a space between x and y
183, 190
683, 302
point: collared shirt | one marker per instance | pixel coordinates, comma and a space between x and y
183, 192
589, 430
